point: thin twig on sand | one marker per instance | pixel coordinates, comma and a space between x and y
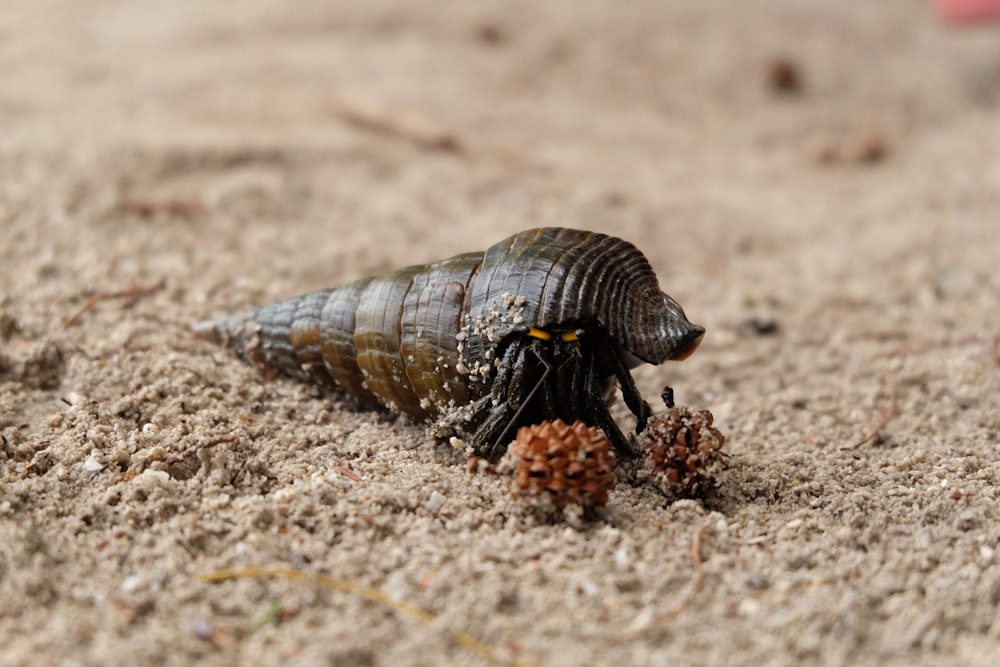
204, 443
396, 124
132, 295
463, 639
889, 416
699, 574
697, 579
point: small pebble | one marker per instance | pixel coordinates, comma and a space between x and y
152, 478
130, 584
201, 629
435, 502
92, 464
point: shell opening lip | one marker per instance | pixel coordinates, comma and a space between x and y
690, 342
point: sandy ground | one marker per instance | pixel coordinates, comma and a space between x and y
182, 160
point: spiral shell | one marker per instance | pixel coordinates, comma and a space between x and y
469, 343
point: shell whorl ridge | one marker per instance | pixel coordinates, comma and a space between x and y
424, 339
572, 276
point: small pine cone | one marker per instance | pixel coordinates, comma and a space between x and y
685, 451
569, 463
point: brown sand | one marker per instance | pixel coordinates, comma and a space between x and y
186, 159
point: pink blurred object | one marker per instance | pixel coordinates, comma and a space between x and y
967, 11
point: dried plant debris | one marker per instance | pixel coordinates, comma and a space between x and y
9, 326
683, 452
561, 463
868, 147
760, 326
784, 76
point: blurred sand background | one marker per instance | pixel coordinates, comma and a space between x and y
832, 169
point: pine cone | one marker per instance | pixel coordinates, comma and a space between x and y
571, 464
685, 451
